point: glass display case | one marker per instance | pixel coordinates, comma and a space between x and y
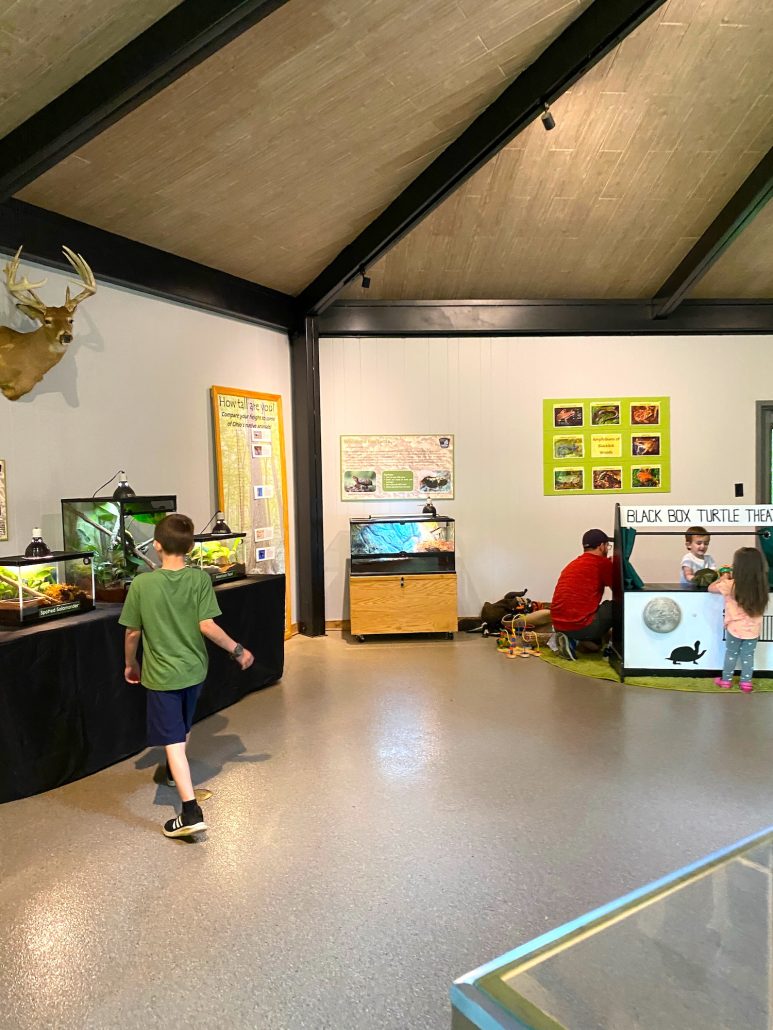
402, 544
688, 952
39, 589
120, 533
219, 554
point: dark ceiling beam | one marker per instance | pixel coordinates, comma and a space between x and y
540, 318
123, 262
183, 38
580, 46
743, 206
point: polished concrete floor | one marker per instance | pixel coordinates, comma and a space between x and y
389, 817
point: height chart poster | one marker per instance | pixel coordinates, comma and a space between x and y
618, 445
252, 476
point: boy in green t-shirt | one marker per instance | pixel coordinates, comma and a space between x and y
172, 609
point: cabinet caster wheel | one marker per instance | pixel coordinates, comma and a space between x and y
449, 636
360, 638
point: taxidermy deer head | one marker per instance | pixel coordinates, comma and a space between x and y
26, 357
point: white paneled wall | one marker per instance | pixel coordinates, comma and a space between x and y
133, 393
488, 392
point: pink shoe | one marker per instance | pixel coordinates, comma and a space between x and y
746, 686
725, 684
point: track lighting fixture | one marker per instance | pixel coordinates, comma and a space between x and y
548, 120
365, 279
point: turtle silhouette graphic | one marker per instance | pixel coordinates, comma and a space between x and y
687, 654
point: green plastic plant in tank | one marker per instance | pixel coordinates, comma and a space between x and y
40, 578
8, 588
219, 553
108, 574
215, 552
32, 582
96, 531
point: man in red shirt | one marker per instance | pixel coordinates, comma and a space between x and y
576, 610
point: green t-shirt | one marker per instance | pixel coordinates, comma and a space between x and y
168, 605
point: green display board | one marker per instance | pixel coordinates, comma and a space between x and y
616, 445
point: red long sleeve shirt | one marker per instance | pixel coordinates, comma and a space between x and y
579, 590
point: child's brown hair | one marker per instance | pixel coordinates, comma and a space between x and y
695, 531
750, 580
175, 533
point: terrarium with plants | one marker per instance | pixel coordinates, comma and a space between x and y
219, 555
39, 589
120, 534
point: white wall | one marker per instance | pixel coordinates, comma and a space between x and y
132, 392
488, 393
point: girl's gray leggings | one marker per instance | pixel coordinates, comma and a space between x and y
736, 648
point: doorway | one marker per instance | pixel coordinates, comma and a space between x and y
764, 452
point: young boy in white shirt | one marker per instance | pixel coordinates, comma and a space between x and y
697, 540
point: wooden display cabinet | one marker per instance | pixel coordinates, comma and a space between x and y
403, 604
403, 577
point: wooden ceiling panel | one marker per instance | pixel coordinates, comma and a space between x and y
647, 149
45, 48
745, 270
269, 157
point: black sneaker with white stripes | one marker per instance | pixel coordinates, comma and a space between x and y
185, 824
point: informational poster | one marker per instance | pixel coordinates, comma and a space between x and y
251, 475
394, 468
3, 504
618, 445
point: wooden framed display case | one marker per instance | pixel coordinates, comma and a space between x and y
402, 576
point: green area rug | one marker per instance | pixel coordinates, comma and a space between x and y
597, 667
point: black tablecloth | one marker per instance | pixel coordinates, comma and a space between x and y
66, 710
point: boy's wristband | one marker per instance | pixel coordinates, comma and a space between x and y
237, 652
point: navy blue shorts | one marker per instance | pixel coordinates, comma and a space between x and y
170, 714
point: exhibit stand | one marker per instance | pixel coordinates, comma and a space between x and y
690, 950
666, 629
402, 576
66, 710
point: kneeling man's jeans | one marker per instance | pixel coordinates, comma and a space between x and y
595, 630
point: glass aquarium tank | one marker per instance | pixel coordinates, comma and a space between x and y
394, 544
120, 533
39, 589
221, 555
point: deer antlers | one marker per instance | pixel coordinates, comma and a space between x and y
83, 270
23, 291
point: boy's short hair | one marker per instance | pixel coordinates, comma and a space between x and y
695, 531
175, 533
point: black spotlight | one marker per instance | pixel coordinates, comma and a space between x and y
221, 526
123, 489
547, 118
365, 279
